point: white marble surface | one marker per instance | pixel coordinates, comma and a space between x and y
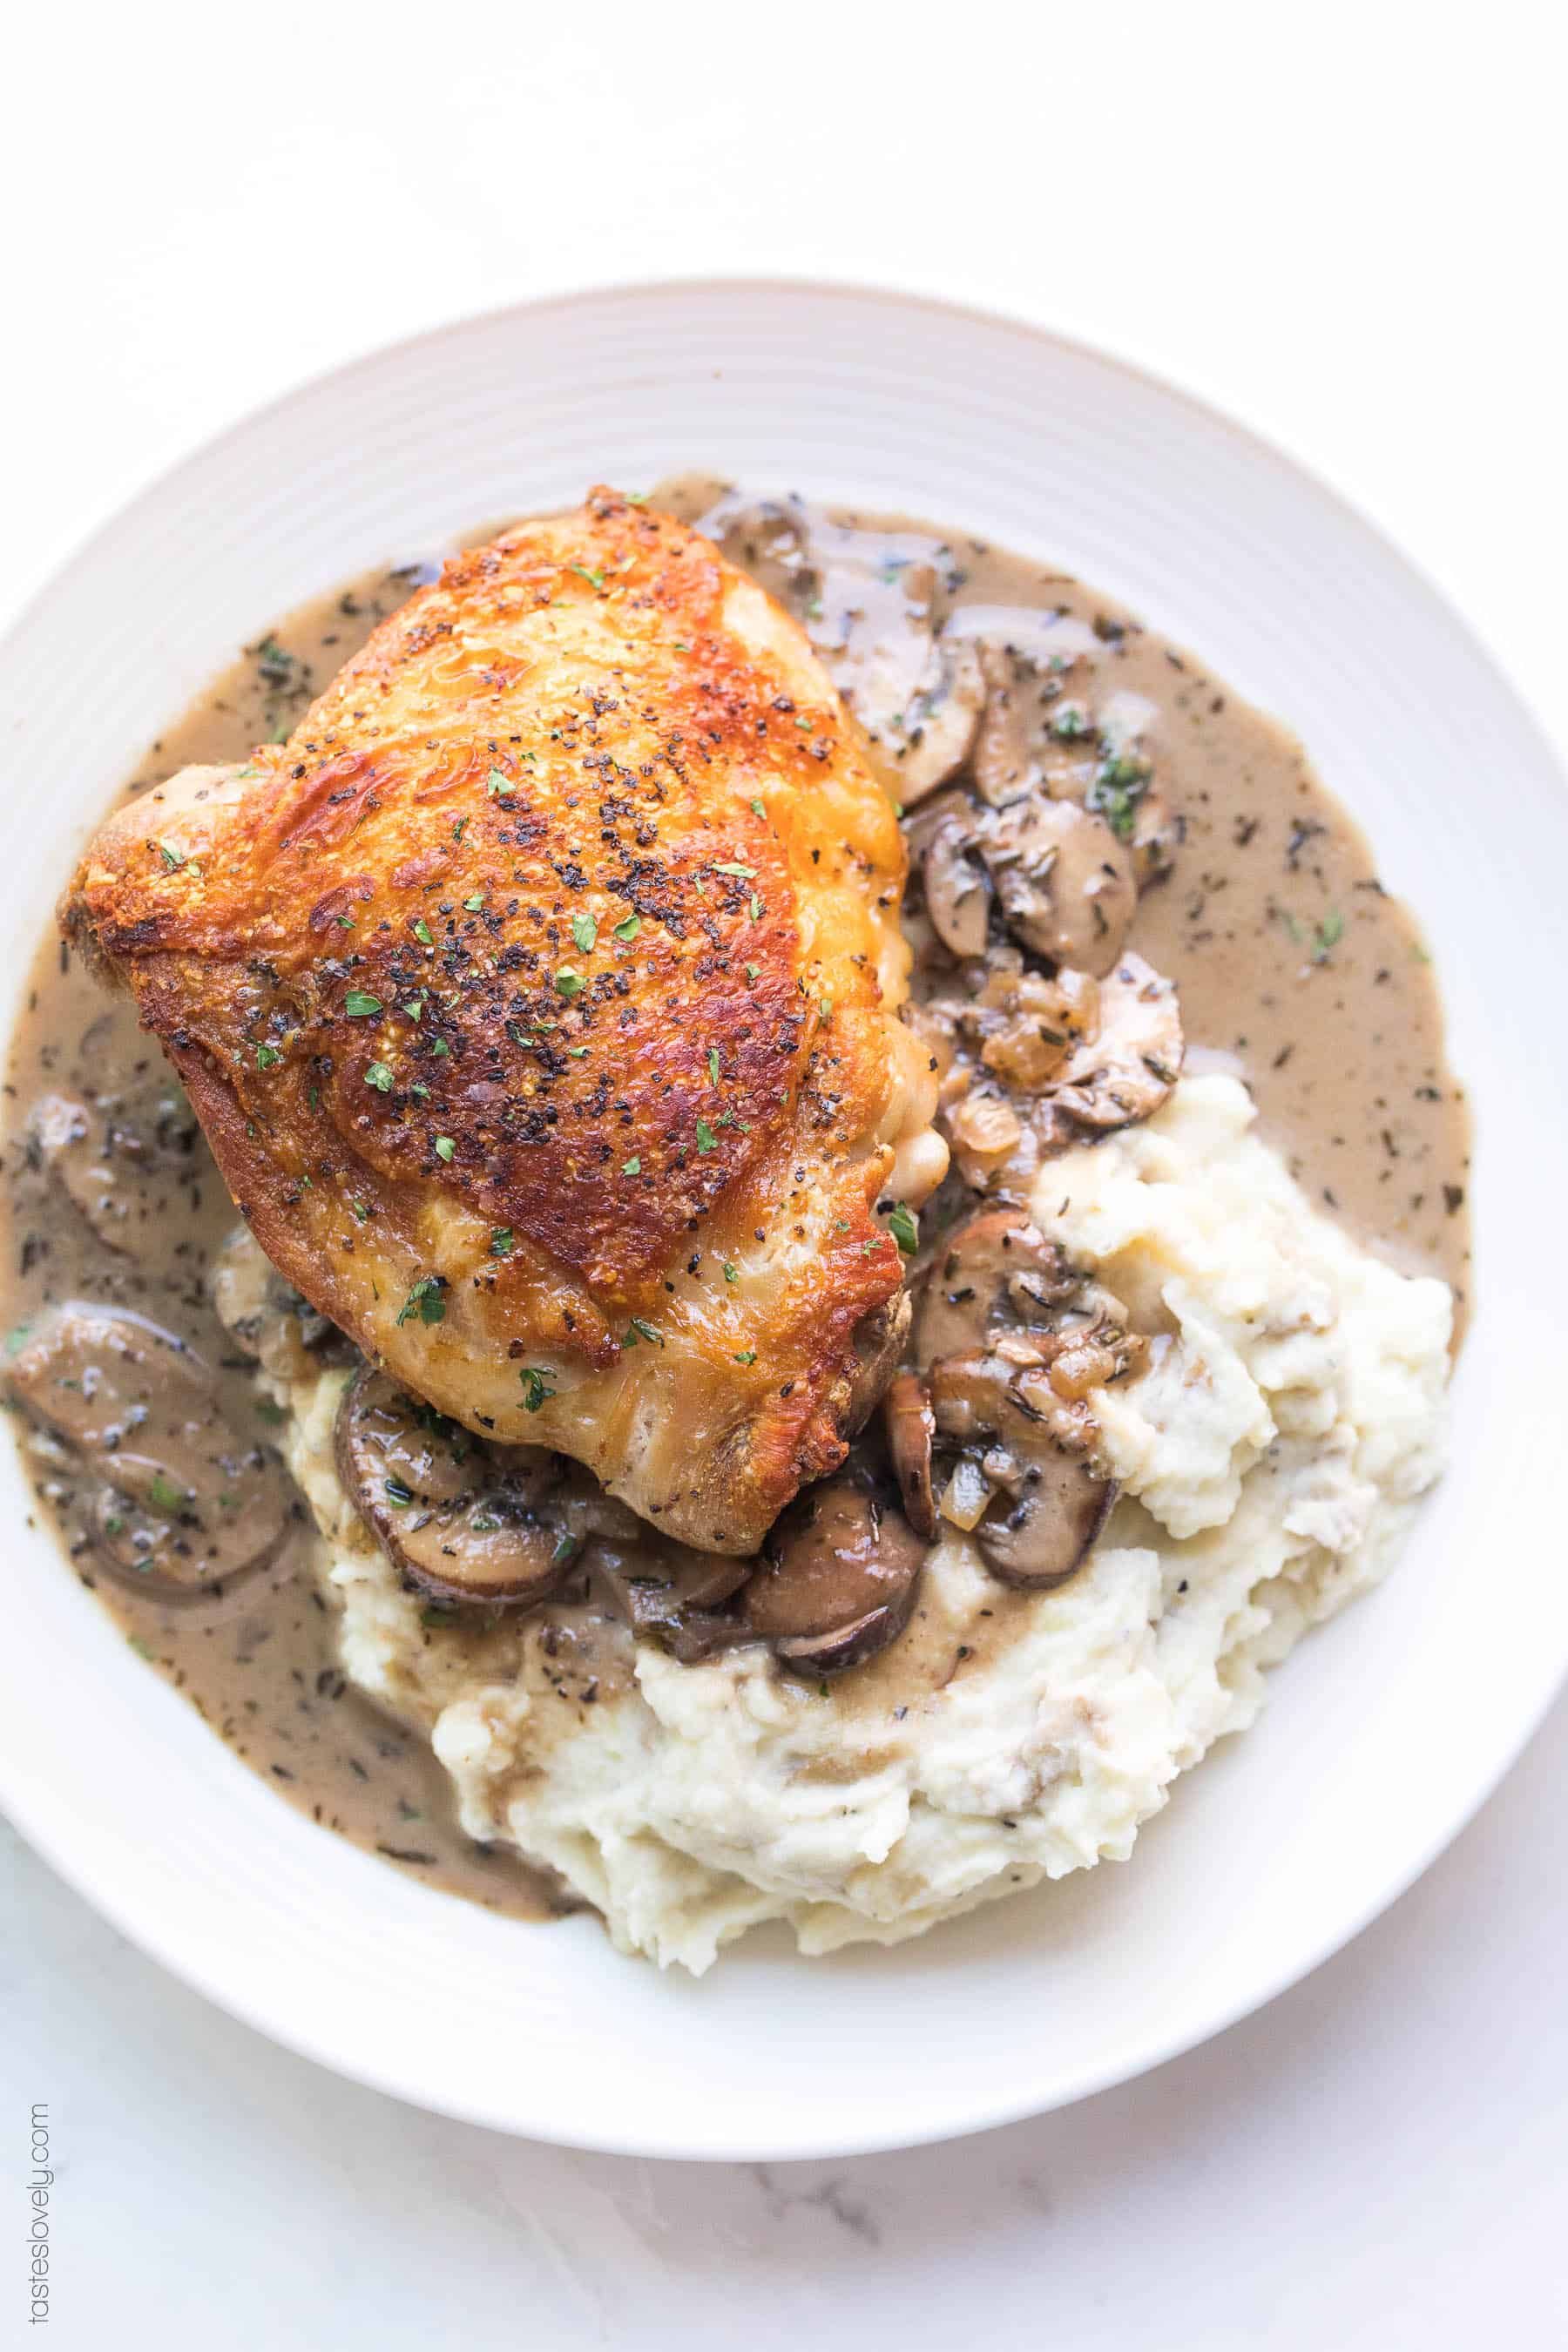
1342, 222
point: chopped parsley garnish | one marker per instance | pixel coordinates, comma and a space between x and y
595, 579
585, 932
500, 1242
747, 1356
379, 1076
757, 809
266, 1055
752, 969
706, 1139
904, 1226
731, 1273
172, 859
747, 872
422, 931
713, 1064
629, 928
569, 984
439, 1045
631, 1167
1328, 934
473, 905
359, 1006
361, 1213
415, 1008
1069, 723
497, 782
396, 1492
642, 1330
757, 908
445, 1148
458, 828
425, 1303
564, 1548
275, 663
536, 1387
1118, 787
165, 1493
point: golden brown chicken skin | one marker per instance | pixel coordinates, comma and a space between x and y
538, 999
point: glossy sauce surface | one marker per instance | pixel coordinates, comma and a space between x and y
1291, 961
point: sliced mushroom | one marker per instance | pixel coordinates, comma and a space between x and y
941, 721
977, 1397
870, 606
998, 1266
1034, 736
880, 1340
172, 1494
264, 1315
957, 888
768, 538
669, 1593
1064, 880
460, 1519
1015, 1341
839, 1579
1125, 1071
911, 1427
118, 1160
1005, 765
918, 697
1041, 1535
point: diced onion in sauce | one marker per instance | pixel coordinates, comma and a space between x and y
968, 1495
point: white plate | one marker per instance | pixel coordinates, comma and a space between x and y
1385, 1732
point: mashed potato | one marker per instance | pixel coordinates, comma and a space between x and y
1270, 1457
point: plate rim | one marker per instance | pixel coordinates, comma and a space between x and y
1155, 2046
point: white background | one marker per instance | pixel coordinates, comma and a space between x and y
1345, 224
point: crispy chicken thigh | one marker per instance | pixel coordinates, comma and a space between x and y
539, 998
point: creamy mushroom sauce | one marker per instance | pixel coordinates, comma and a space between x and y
1293, 966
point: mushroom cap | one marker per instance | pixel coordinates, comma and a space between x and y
1125, 1071
118, 1160
183, 1503
669, 1593
911, 1429
1040, 1536
878, 1343
1064, 881
838, 1581
957, 891
461, 1518
998, 1263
